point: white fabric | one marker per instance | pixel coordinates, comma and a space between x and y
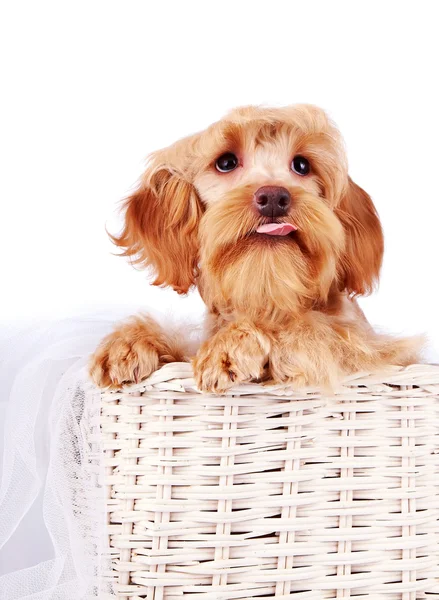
52, 503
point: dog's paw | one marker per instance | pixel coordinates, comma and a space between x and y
120, 360
236, 354
130, 354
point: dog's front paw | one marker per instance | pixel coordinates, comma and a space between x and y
129, 354
119, 360
236, 354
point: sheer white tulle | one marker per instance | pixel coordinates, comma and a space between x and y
53, 538
52, 501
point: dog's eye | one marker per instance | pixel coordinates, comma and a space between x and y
300, 165
226, 162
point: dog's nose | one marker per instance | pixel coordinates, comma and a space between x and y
272, 201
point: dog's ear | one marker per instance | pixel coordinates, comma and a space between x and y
161, 227
361, 261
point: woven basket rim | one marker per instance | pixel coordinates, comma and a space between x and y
181, 373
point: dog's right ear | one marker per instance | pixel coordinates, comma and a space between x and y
161, 227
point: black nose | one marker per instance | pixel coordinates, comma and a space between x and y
272, 201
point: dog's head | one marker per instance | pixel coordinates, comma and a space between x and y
258, 210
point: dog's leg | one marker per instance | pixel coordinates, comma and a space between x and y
235, 354
132, 352
303, 353
319, 349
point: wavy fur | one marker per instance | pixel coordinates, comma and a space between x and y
280, 308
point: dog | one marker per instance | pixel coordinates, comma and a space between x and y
259, 213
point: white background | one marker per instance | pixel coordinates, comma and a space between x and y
90, 88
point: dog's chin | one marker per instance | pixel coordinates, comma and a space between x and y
253, 272
263, 275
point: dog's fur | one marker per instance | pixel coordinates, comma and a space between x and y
280, 308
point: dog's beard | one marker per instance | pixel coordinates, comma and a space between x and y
249, 272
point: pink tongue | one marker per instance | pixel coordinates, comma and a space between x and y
276, 228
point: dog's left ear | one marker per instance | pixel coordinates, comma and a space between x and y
361, 260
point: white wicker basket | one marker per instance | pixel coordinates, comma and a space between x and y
268, 493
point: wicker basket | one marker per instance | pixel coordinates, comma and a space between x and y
269, 493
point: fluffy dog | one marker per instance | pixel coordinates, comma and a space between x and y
258, 211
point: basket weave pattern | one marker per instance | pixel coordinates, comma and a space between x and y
270, 493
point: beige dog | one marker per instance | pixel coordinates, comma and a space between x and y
258, 211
